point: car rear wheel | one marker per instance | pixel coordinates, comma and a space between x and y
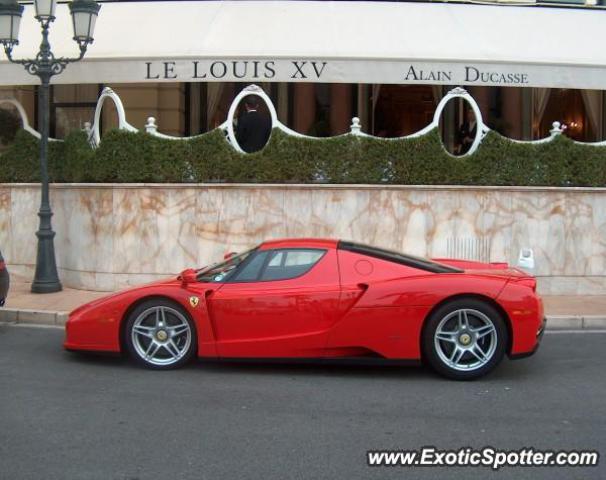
465, 339
159, 334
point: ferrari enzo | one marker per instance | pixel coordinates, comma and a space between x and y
324, 300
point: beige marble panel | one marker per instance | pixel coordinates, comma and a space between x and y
126, 280
135, 230
84, 280
423, 219
105, 282
574, 285
589, 233
102, 209
5, 223
384, 214
335, 214
19, 272
112, 236
24, 223
176, 230
236, 219
539, 223
264, 215
83, 221
297, 214
208, 226
497, 224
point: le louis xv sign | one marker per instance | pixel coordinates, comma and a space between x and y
371, 71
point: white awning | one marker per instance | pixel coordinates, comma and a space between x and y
357, 42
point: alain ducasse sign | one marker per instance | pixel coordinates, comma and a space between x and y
370, 71
324, 70
330, 71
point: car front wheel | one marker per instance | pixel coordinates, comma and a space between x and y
159, 334
465, 339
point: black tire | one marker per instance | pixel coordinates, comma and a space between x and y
480, 348
171, 350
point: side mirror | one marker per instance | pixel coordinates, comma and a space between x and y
188, 275
229, 255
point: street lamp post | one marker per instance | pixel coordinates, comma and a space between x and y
45, 65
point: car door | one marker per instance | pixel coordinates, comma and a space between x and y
280, 304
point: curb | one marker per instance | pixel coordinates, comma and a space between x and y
32, 317
576, 322
48, 317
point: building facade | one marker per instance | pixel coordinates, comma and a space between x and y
186, 102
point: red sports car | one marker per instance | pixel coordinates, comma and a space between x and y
322, 299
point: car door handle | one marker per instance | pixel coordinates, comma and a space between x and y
363, 286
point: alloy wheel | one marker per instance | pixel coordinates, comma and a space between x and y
465, 339
161, 335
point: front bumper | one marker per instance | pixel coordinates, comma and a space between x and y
540, 332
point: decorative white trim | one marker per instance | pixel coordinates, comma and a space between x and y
556, 129
151, 126
592, 144
24, 120
95, 137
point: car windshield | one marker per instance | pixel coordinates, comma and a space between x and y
219, 272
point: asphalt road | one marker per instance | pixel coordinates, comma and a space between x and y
68, 416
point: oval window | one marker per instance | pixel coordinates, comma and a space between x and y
459, 127
252, 123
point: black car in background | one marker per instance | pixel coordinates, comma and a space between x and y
4, 281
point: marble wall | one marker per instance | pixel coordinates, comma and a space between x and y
113, 236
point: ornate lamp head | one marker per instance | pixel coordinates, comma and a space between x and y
84, 16
10, 19
45, 10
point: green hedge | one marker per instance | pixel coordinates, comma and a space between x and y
139, 157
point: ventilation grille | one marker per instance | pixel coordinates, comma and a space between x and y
469, 248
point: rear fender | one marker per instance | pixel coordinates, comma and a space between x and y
431, 289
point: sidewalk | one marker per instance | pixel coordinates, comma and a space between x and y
22, 306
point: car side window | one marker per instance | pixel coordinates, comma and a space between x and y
251, 270
290, 263
276, 259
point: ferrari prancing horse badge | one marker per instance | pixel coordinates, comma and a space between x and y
193, 301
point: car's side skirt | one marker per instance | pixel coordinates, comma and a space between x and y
363, 361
